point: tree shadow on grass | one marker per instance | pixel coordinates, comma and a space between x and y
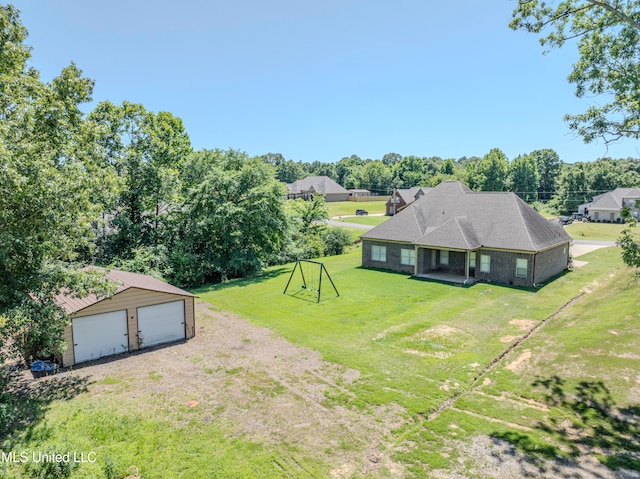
24, 401
257, 278
584, 420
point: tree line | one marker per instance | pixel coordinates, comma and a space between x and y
539, 176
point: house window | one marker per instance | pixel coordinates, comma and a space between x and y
408, 257
472, 260
612, 216
444, 257
521, 267
378, 253
596, 215
485, 263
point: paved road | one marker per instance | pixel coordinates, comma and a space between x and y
595, 243
349, 225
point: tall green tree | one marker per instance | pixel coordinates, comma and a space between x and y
492, 171
604, 175
391, 158
524, 177
147, 152
45, 199
409, 172
548, 164
447, 167
573, 188
608, 66
289, 171
376, 176
348, 166
233, 221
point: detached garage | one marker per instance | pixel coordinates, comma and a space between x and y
143, 312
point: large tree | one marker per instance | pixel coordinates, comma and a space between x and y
548, 164
376, 176
524, 177
608, 40
233, 221
409, 172
492, 171
45, 195
146, 150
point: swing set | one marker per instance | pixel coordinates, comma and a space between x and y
311, 273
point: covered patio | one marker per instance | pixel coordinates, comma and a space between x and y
446, 277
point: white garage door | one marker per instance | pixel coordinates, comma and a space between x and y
100, 335
161, 323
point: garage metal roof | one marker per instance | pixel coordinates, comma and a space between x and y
125, 281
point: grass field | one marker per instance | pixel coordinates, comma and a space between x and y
595, 231
430, 350
342, 208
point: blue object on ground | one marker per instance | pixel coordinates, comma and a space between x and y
38, 366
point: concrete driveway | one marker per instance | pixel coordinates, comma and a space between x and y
580, 247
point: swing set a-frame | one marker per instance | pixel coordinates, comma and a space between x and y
312, 280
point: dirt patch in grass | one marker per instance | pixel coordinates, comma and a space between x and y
257, 385
524, 324
508, 339
519, 362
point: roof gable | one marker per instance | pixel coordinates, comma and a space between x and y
613, 200
457, 233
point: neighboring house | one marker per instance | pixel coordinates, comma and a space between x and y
459, 235
314, 185
358, 193
143, 312
607, 207
400, 199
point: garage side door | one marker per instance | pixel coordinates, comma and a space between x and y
161, 323
100, 335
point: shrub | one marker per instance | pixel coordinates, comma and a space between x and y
336, 239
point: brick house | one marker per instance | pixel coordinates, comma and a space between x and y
459, 235
317, 185
401, 198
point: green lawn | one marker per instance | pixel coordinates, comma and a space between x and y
380, 316
416, 344
595, 231
419, 343
341, 208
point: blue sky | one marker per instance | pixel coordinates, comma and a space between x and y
321, 80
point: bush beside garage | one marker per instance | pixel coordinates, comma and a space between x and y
143, 312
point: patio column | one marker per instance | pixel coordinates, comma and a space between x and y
415, 263
466, 265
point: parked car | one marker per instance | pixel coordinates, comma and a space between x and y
565, 220
362, 212
579, 217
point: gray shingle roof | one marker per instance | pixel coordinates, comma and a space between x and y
409, 194
451, 215
125, 281
613, 199
320, 184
